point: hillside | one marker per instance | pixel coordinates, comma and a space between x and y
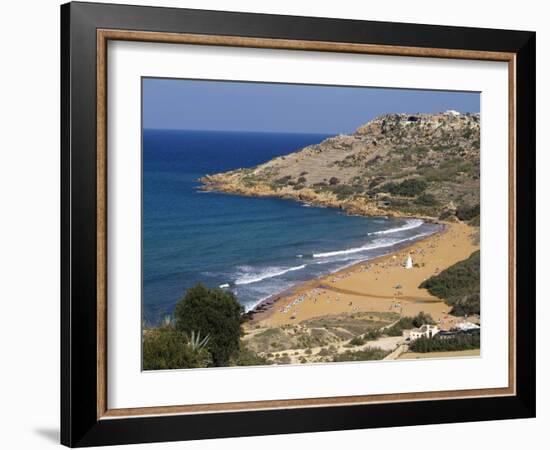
397, 164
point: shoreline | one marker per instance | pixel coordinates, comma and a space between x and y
265, 305
309, 197
378, 284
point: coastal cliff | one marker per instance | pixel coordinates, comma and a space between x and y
396, 165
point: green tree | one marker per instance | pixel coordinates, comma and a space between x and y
167, 348
458, 285
448, 344
215, 313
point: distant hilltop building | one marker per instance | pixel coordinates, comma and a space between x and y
452, 112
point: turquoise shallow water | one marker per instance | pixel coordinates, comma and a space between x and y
255, 247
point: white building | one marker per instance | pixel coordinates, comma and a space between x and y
467, 326
428, 331
452, 112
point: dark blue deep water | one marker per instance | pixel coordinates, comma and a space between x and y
255, 247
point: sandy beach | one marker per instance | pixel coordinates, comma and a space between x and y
381, 284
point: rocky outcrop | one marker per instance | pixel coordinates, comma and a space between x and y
396, 164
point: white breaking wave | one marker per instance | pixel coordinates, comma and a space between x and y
224, 286
409, 225
270, 272
379, 243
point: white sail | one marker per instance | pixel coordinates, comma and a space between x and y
409, 263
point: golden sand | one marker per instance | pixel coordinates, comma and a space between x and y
382, 284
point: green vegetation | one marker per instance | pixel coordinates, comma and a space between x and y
283, 180
344, 191
426, 200
368, 354
370, 335
465, 212
206, 332
407, 188
347, 326
215, 313
474, 221
357, 340
246, 357
406, 323
445, 344
448, 170
425, 163
458, 285
167, 348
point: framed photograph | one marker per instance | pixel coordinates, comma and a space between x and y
276, 224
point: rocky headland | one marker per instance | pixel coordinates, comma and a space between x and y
422, 165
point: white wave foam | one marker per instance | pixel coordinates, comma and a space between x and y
379, 243
224, 286
409, 225
270, 272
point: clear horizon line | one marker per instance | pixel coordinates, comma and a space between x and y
246, 131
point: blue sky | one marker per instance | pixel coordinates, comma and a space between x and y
242, 106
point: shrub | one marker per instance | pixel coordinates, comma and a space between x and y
465, 212
167, 348
406, 323
284, 360
343, 191
372, 335
474, 221
357, 340
283, 180
333, 181
301, 180
407, 188
368, 354
212, 312
446, 344
458, 285
426, 200
446, 214
246, 357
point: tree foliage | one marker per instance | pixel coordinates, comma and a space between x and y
167, 348
406, 323
212, 312
247, 357
407, 188
458, 285
466, 212
445, 344
426, 200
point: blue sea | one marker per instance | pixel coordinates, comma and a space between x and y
255, 247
